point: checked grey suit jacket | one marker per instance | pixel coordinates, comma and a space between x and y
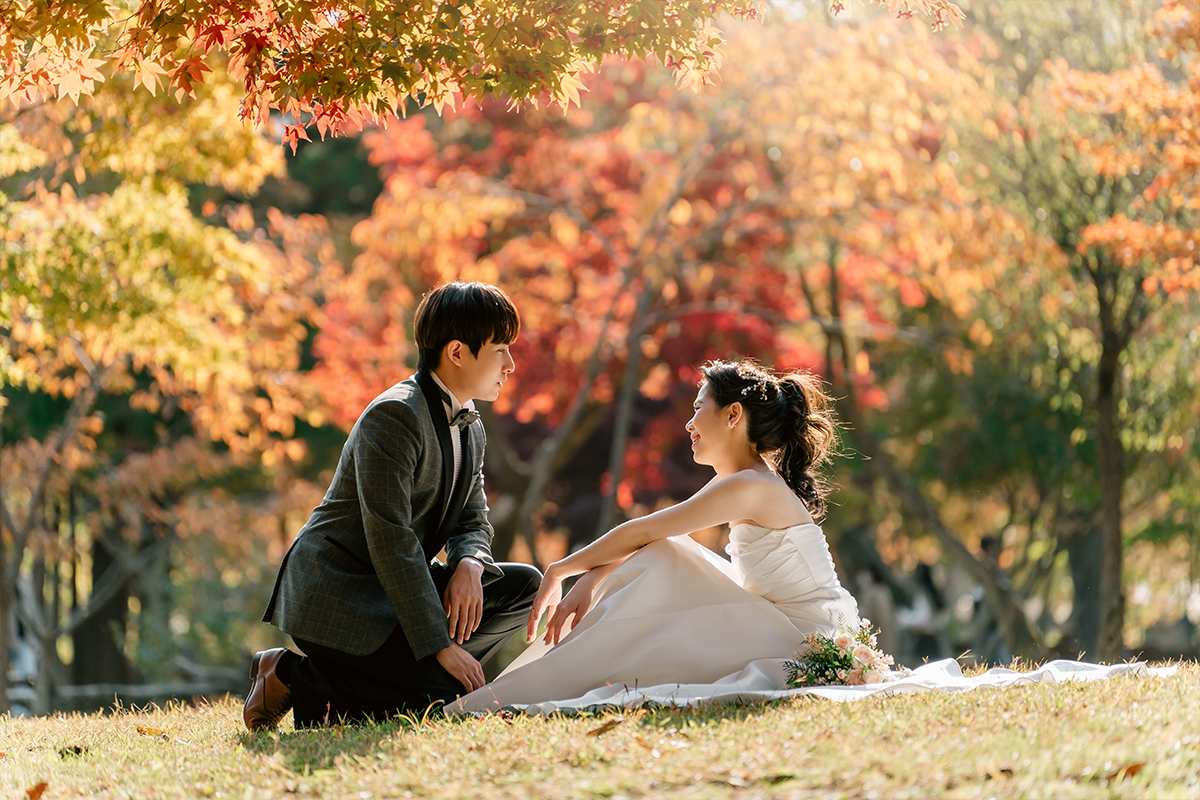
361, 564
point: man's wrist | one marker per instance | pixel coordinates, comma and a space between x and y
472, 563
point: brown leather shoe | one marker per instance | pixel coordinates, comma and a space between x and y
269, 698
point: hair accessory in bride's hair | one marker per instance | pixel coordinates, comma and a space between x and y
758, 382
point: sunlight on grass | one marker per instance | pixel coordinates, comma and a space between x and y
1127, 736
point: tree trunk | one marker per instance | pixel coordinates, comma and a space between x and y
629, 387
6, 620
99, 657
44, 698
6, 591
1110, 644
1001, 601
1086, 569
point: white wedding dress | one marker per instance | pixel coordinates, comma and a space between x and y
677, 625
678, 618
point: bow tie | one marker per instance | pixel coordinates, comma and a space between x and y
463, 418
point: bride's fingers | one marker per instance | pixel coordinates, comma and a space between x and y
535, 616
555, 631
550, 613
552, 626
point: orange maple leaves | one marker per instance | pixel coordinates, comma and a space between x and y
1152, 137
340, 65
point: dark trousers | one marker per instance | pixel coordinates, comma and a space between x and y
331, 686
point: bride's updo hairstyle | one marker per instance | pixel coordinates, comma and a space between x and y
788, 421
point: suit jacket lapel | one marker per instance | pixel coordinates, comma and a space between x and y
433, 399
461, 489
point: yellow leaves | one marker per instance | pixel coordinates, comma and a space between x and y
16, 155
146, 73
78, 75
564, 230
680, 213
980, 333
569, 88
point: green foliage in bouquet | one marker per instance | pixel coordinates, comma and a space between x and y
850, 657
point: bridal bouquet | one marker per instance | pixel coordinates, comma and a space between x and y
849, 657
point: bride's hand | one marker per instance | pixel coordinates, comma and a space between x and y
548, 597
575, 604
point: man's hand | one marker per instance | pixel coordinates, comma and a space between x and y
462, 665
463, 600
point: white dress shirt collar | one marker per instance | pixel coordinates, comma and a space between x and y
454, 406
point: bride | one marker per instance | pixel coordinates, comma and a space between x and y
653, 607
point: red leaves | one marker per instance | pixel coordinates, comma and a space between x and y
35, 792
187, 73
354, 62
292, 134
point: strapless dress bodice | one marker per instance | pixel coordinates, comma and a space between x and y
792, 568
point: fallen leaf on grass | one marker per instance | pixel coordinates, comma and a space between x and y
1125, 773
606, 727
777, 779
73, 750
739, 782
35, 793
152, 732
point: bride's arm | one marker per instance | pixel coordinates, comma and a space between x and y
724, 500
721, 501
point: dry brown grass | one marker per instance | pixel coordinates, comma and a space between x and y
1125, 737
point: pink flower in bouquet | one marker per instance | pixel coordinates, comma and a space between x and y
875, 676
864, 655
855, 678
843, 641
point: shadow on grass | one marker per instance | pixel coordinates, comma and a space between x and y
664, 716
305, 751
308, 751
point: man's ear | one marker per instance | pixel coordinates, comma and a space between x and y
453, 353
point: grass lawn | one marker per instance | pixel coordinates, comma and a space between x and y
1124, 737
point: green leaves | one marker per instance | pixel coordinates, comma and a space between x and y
368, 58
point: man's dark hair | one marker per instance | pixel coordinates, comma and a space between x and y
474, 313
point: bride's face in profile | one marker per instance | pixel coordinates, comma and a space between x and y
709, 428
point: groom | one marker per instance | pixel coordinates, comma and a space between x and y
384, 626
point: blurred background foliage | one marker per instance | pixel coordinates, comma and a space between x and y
981, 238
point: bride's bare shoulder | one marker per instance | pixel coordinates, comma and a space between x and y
775, 505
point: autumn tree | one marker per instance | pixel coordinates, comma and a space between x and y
339, 65
113, 287
1138, 256
601, 225
779, 175
1051, 159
